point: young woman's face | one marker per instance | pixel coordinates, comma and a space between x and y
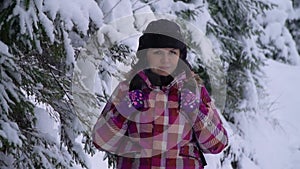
163, 61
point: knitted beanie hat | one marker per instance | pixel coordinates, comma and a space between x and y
163, 34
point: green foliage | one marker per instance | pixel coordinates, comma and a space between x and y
185, 1
202, 72
111, 160
119, 52
294, 24
187, 14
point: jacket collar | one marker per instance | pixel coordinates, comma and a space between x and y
177, 80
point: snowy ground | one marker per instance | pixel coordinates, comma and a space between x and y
284, 88
279, 148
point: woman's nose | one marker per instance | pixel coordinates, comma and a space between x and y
165, 58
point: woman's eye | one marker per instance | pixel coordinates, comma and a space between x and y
173, 52
158, 52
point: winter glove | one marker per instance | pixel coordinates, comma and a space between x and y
133, 102
124, 107
189, 102
193, 105
138, 100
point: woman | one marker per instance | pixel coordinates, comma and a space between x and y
162, 116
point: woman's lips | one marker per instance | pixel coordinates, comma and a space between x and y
164, 67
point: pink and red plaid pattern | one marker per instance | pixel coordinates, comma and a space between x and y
162, 135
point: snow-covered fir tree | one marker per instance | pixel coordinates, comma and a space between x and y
293, 23
37, 58
59, 60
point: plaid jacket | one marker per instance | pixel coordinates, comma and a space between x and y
167, 131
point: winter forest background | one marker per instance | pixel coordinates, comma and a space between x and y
60, 60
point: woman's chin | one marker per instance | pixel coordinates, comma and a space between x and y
162, 72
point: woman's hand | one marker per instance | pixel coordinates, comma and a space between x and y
194, 104
131, 103
189, 102
137, 99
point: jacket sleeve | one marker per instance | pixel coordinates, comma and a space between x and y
208, 128
109, 132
